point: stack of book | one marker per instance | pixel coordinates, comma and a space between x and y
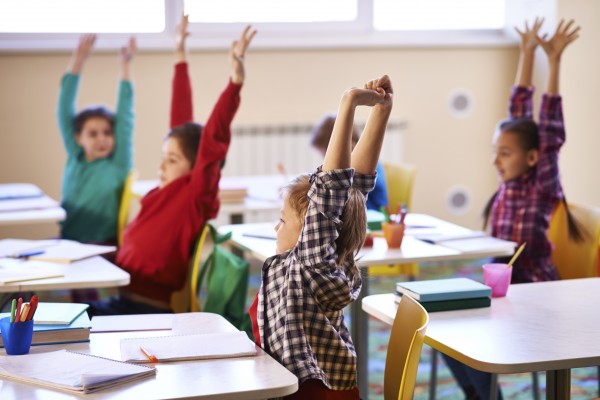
56, 323
446, 294
232, 194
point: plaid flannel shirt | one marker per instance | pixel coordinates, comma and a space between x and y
522, 208
303, 293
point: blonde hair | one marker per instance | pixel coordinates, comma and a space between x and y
354, 216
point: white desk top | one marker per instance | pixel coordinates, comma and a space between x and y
93, 272
257, 377
27, 204
412, 250
537, 326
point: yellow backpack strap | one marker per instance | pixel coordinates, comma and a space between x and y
194, 289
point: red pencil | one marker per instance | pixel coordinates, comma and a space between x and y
18, 311
33, 303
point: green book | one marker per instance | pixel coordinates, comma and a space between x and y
448, 305
444, 289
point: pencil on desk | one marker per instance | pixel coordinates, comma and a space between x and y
151, 357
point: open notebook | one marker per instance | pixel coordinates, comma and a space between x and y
188, 347
70, 371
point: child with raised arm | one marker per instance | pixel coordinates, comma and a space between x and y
297, 316
99, 151
158, 243
526, 157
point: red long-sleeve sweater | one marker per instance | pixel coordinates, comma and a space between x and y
157, 243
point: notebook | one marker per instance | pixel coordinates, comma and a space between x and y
448, 305
58, 251
15, 271
58, 313
468, 242
11, 191
70, 371
443, 289
136, 322
188, 347
77, 331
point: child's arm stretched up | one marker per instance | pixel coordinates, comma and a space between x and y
521, 101
124, 117
216, 134
551, 122
181, 95
377, 93
67, 96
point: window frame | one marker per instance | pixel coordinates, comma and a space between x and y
322, 35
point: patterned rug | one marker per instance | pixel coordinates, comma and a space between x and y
584, 381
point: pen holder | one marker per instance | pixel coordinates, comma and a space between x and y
393, 233
16, 336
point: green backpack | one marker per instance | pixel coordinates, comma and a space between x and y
227, 284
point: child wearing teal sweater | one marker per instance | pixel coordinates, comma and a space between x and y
99, 151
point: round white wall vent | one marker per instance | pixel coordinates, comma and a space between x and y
460, 103
458, 200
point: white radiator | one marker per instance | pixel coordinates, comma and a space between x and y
257, 149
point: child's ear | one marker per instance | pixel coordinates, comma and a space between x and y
532, 157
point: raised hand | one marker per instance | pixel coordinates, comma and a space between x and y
128, 51
82, 52
529, 36
237, 53
375, 92
563, 36
182, 34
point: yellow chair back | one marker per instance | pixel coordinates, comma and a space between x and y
404, 350
575, 260
125, 205
400, 180
186, 299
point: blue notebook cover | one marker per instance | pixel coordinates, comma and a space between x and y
444, 289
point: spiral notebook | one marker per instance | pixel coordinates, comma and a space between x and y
70, 371
188, 347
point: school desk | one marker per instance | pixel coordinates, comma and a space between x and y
256, 377
93, 272
24, 203
263, 196
244, 236
544, 326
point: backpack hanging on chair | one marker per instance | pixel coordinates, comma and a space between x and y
227, 283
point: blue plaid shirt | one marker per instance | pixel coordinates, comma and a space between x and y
523, 206
304, 290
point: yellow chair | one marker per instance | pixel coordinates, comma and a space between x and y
186, 299
125, 205
404, 350
575, 260
400, 180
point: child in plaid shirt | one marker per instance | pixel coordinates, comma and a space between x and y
526, 157
298, 313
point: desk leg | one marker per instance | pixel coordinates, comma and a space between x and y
359, 330
558, 384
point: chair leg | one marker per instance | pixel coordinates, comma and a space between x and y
599, 381
535, 385
433, 377
494, 387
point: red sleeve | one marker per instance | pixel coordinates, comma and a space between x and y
214, 144
181, 96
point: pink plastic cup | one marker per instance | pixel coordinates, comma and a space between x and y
497, 276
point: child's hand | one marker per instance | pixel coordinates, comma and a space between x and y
127, 52
182, 34
529, 40
85, 46
375, 92
564, 35
237, 53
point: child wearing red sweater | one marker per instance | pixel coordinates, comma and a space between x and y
157, 244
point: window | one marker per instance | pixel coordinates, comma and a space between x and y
33, 25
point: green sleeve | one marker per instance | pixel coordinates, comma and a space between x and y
66, 112
124, 124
